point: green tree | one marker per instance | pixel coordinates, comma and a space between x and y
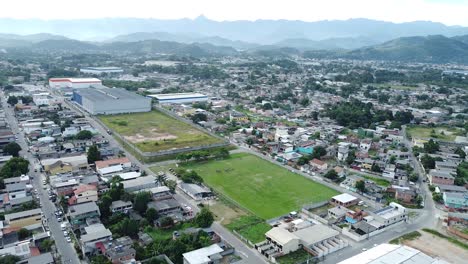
83, 135
151, 215
318, 152
331, 174
23, 233
166, 221
9, 259
204, 218
431, 146
100, 259
46, 245
141, 201
351, 157
437, 197
459, 151
15, 167
93, 154
360, 186
12, 149
428, 162
12, 100
104, 204
376, 168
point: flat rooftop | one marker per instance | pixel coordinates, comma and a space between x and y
104, 94
76, 80
177, 96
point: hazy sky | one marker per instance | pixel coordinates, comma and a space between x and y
450, 12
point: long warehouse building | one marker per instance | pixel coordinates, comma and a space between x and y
74, 83
107, 101
179, 98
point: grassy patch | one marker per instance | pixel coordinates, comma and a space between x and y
159, 234
410, 236
250, 227
299, 256
378, 181
265, 189
440, 132
154, 131
450, 239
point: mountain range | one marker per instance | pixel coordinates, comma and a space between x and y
262, 32
354, 39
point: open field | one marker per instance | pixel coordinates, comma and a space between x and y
265, 189
154, 131
442, 133
436, 246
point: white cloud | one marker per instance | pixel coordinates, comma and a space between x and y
451, 12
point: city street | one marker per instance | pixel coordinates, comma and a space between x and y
65, 249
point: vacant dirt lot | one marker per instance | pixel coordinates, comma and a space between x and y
225, 213
435, 246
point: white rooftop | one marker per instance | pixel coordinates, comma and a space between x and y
176, 96
202, 255
394, 254
344, 198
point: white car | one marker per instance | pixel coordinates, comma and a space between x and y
364, 249
68, 239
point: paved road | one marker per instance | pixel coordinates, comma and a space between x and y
65, 249
249, 255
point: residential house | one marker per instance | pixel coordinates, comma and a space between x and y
77, 162
84, 194
120, 251
441, 177
318, 164
206, 255
457, 201
80, 212
344, 199
120, 206
93, 240
166, 207
138, 184
124, 162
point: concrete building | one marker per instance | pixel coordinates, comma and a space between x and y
206, 255
45, 258
456, 200
344, 199
195, 191
107, 101
444, 177
140, 183
74, 83
179, 98
101, 70
395, 254
120, 206
94, 238
24, 218
84, 194
319, 240
80, 212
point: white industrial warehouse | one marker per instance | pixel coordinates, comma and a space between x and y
74, 83
179, 98
106, 101
101, 70
395, 254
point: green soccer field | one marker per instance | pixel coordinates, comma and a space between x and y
264, 188
154, 131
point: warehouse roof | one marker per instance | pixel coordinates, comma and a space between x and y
76, 80
281, 235
28, 213
386, 253
173, 96
202, 255
102, 94
344, 198
314, 234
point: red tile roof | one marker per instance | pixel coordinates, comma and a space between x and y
106, 163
